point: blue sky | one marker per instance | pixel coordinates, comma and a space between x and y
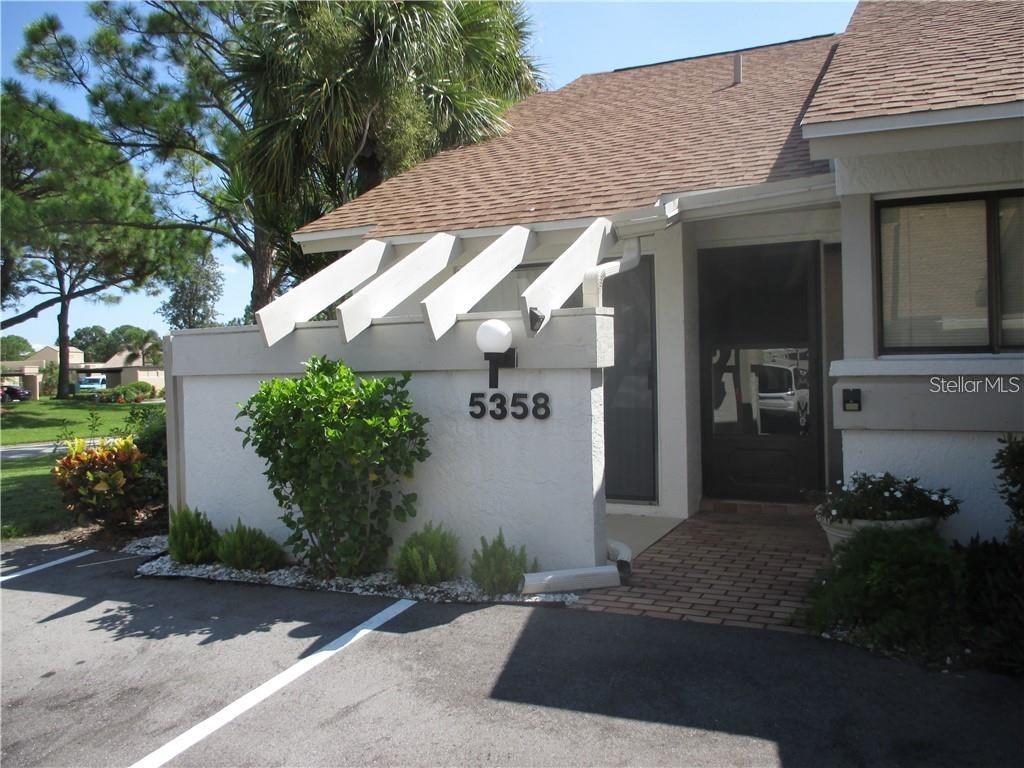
571, 39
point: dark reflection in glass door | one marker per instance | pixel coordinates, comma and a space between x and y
760, 391
760, 372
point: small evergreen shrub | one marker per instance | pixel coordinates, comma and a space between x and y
497, 568
105, 483
249, 549
429, 556
893, 590
192, 538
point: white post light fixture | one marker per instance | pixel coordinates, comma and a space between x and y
494, 339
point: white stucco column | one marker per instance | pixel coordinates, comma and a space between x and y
678, 358
858, 277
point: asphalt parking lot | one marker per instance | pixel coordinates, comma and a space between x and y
100, 667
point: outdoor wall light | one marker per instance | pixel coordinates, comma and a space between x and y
494, 339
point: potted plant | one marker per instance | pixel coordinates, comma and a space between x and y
881, 501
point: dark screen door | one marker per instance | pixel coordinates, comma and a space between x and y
761, 410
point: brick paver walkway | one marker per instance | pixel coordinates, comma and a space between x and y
740, 564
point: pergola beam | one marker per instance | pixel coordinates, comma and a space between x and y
463, 290
565, 274
278, 318
396, 284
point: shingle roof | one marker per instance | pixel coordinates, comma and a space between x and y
901, 57
612, 142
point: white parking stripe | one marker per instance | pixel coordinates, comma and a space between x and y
199, 732
50, 564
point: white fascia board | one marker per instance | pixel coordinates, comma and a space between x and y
330, 234
755, 198
396, 284
1013, 109
555, 285
653, 214
278, 318
461, 292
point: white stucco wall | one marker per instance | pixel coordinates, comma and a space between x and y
541, 481
960, 461
946, 439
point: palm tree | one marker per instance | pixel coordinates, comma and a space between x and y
139, 343
343, 94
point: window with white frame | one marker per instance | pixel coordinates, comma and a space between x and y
951, 273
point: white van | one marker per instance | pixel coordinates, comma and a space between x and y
93, 382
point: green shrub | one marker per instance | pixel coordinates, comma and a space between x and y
995, 602
894, 590
148, 423
135, 392
49, 374
1009, 462
105, 483
192, 538
885, 497
335, 445
429, 556
497, 568
249, 549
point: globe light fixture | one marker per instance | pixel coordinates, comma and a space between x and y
494, 339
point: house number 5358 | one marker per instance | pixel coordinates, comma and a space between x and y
499, 406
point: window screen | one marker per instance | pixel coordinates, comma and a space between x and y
934, 275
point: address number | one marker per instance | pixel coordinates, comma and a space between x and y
499, 406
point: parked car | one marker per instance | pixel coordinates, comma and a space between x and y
11, 392
92, 383
783, 393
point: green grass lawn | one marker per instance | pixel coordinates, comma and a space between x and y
30, 502
40, 421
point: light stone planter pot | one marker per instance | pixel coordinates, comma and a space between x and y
840, 531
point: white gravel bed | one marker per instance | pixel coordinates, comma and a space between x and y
383, 584
150, 545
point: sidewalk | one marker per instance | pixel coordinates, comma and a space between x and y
32, 450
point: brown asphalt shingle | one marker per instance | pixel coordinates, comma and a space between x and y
612, 142
901, 57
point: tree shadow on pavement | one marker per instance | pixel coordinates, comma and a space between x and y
155, 608
822, 703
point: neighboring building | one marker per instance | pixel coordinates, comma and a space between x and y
822, 254
28, 372
121, 369
49, 354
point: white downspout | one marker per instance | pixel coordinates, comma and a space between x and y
619, 553
593, 296
593, 278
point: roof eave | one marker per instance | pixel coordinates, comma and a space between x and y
653, 214
922, 119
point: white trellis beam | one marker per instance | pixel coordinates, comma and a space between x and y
395, 285
555, 284
461, 292
278, 318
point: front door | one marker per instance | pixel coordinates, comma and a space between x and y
761, 410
